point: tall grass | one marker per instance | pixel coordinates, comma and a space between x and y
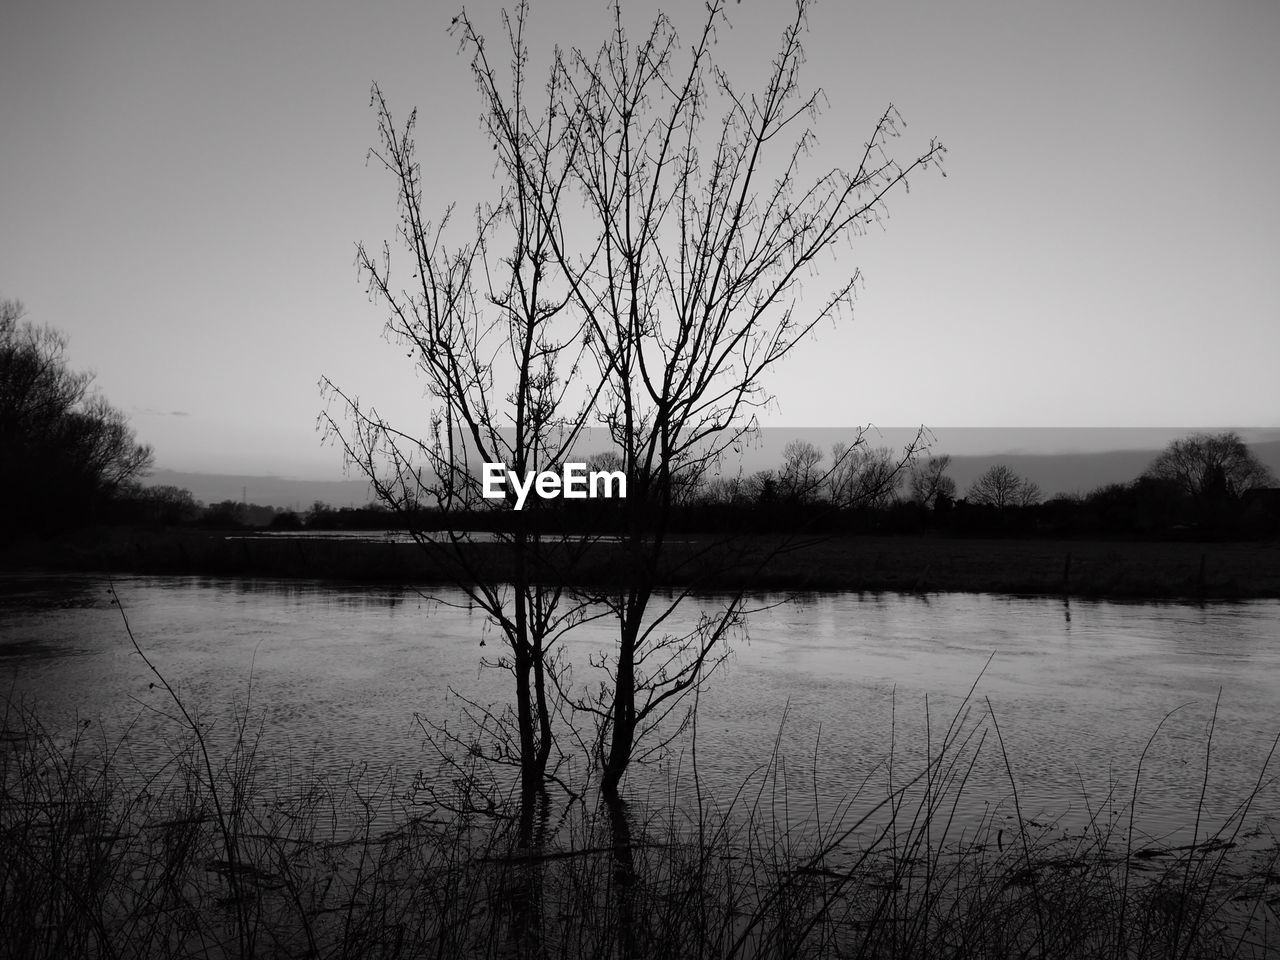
216, 852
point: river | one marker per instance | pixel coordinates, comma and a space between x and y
1078, 689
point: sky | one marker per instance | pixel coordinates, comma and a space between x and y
182, 186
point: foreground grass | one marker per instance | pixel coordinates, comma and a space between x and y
1115, 569
228, 856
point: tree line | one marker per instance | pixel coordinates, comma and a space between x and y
69, 454
1201, 484
81, 462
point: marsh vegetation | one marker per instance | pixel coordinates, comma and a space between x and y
214, 854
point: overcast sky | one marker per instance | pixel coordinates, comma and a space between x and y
182, 186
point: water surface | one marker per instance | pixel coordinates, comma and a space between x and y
338, 675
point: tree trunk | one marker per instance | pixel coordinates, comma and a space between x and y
624, 715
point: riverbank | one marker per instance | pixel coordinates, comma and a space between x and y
1096, 569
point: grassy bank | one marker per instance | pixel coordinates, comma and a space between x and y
225, 856
1115, 569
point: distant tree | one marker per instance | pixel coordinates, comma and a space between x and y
800, 476
1211, 467
880, 475
843, 472
862, 476
320, 515
607, 460
1001, 487
285, 520
1066, 499
226, 514
66, 448
1145, 505
929, 482
762, 486
725, 490
169, 504
686, 487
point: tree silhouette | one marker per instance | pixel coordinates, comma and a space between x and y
702, 215
801, 476
1001, 487
1211, 467
489, 325
930, 483
641, 268
66, 448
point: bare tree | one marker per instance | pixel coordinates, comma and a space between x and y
608, 460
762, 487
930, 483
880, 474
842, 477
862, 476
701, 218
731, 489
642, 268
1001, 487
492, 327
800, 477
1205, 466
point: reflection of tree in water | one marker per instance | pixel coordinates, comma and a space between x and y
527, 890
624, 875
